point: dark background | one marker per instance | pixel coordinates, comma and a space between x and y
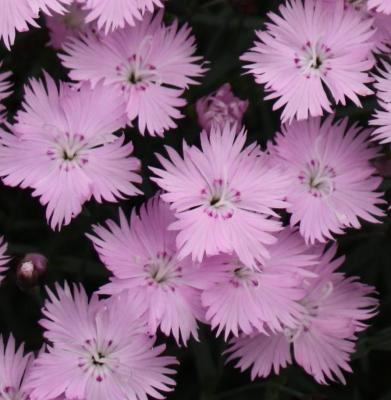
224, 30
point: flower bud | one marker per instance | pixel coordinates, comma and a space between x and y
29, 270
221, 107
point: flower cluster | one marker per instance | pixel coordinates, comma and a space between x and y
237, 236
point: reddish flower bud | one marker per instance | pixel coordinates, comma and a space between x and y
29, 269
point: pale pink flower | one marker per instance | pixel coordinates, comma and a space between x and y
99, 350
223, 195
17, 15
242, 300
64, 148
69, 24
382, 117
381, 6
382, 37
49, 6
3, 257
220, 107
142, 256
381, 23
332, 179
114, 14
14, 367
5, 86
149, 64
325, 339
310, 49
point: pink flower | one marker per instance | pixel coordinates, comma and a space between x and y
382, 25
5, 86
220, 107
113, 14
223, 195
324, 340
3, 257
381, 6
149, 65
382, 117
332, 179
99, 351
63, 26
63, 147
310, 49
142, 256
17, 15
243, 300
49, 6
14, 367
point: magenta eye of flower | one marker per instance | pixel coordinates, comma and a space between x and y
312, 306
318, 178
68, 149
242, 275
97, 359
162, 270
220, 199
313, 59
11, 393
136, 71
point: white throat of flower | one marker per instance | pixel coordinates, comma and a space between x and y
11, 393
96, 359
313, 59
312, 307
136, 71
318, 178
243, 276
220, 199
163, 270
69, 150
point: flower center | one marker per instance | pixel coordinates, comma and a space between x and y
136, 72
97, 359
312, 306
243, 276
313, 59
11, 393
69, 150
220, 199
318, 178
162, 270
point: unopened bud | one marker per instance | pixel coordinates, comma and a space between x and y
29, 270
